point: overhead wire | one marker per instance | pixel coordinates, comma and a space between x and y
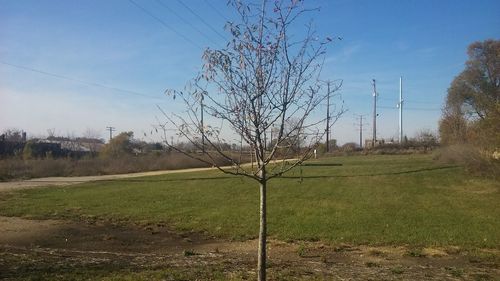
95, 84
164, 24
421, 102
409, 101
201, 19
422, 109
410, 108
186, 21
216, 10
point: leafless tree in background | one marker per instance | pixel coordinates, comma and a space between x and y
93, 141
266, 80
12, 134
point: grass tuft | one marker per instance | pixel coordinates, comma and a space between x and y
188, 253
397, 270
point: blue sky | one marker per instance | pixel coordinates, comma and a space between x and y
116, 44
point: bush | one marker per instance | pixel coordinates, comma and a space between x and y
474, 160
349, 147
118, 146
28, 150
13, 168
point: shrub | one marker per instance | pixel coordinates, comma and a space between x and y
28, 150
118, 146
474, 160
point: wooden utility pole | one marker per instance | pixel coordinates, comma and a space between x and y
336, 87
360, 124
328, 117
111, 130
202, 129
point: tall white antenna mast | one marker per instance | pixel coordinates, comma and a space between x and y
400, 106
374, 135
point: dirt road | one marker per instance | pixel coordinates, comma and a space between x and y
58, 181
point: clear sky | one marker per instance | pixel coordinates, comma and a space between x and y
87, 49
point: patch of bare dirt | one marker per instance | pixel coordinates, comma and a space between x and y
56, 247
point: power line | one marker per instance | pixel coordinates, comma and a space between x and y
410, 101
411, 108
200, 18
422, 102
185, 21
165, 24
423, 109
59, 76
216, 10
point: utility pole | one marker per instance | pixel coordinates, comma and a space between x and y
328, 117
111, 130
202, 124
360, 117
400, 106
374, 140
336, 86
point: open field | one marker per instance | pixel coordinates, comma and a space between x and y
387, 217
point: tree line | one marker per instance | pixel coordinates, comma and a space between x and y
471, 116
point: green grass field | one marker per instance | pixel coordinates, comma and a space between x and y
377, 200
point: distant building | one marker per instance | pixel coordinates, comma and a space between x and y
369, 143
82, 145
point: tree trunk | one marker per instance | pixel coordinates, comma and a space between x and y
261, 265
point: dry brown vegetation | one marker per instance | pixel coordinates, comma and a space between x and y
15, 168
470, 124
475, 160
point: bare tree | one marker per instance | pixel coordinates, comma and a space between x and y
265, 82
92, 140
13, 134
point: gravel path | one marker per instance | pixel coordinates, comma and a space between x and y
58, 181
